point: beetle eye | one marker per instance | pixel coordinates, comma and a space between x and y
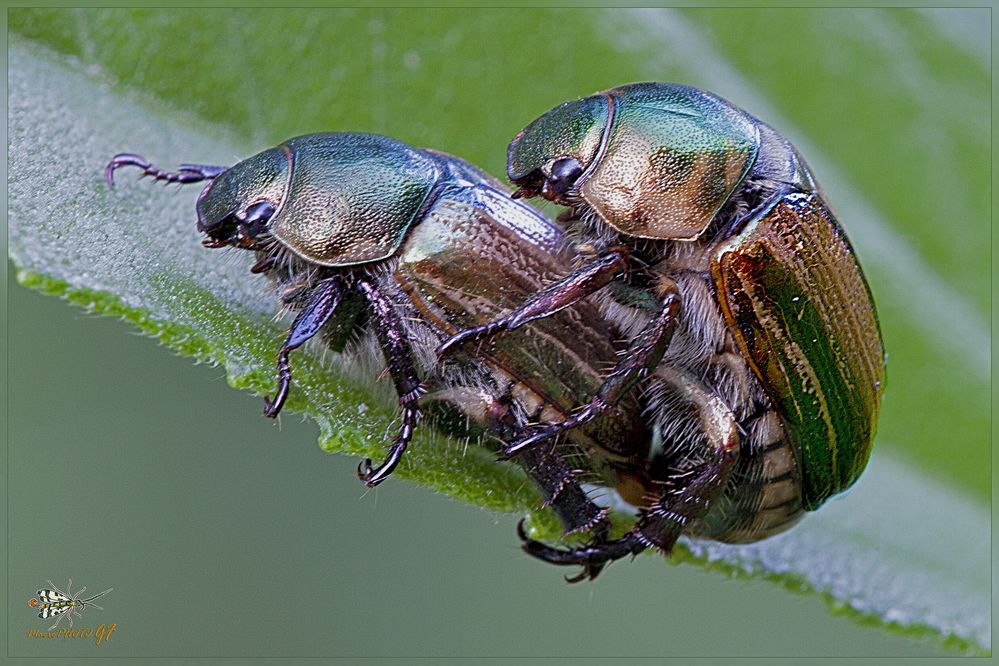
256, 217
258, 212
565, 172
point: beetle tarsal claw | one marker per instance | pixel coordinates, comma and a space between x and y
370, 475
364, 470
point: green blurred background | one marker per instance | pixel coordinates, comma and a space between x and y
244, 539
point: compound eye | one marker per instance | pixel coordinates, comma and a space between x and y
258, 212
565, 172
256, 217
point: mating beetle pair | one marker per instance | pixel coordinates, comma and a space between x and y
706, 244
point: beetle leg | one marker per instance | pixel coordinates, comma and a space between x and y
688, 498
554, 479
561, 491
662, 525
185, 173
592, 557
659, 526
576, 286
691, 493
642, 355
317, 310
399, 359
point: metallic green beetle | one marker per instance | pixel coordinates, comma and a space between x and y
742, 296
376, 243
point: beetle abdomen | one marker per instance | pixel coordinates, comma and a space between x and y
798, 305
764, 495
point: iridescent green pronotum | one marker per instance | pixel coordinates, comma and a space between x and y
753, 332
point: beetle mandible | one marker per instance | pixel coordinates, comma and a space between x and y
374, 242
712, 245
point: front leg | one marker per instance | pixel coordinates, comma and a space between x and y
322, 303
186, 173
571, 289
642, 355
399, 358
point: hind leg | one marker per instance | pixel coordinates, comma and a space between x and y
689, 494
555, 480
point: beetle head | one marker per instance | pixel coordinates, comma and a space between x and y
237, 207
333, 199
653, 160
551, 155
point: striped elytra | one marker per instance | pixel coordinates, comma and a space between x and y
798, 305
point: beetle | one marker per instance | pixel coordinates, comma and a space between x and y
363, 234
752, 327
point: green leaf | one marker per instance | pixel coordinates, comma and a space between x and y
901, 550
